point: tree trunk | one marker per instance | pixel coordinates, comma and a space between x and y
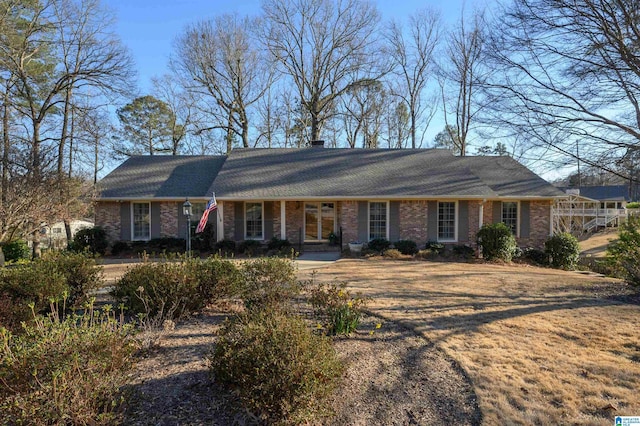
35, 246
229, 134
67, 230
1, 258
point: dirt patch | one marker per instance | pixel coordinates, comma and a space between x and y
596, 244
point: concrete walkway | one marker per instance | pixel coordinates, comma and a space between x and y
314, 260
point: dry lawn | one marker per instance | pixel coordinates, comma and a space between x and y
540, 346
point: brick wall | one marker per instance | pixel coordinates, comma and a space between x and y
276, 218
487, 217
169, 219
348, 219
474, 220
228, 220
413, 221
294, 211
107, 216
540, 216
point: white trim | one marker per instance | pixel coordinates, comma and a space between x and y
220, 224
481, 215
283, 220
386, 225
261, 220
131, 209
455, 222
318, 205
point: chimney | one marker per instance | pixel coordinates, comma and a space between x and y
317, 144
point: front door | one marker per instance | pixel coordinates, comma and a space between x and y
319, 221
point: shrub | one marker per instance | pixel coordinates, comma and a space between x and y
276, 366
276, 243
340, 311
268, 283
216, 278
166, 244
463, 251
92, 239
563, 250
65, 372
204, 240
623, 254
378, 245
406, 247
633, 205
16, 250
80, 271
120, 247
426, 254
250, 247
497, 242
434, 247
392, 254
536, 256
225, 247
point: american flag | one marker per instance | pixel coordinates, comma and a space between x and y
211, 205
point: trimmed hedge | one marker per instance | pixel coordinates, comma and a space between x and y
497, 242
563, 250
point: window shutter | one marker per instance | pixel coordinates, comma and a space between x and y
268, 219
432, 220
125, 221
394, 221
463, 221
363, 221
238, 215
155, 220
497, 211
525, 219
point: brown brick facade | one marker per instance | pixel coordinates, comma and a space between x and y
348, 220
540, 224
107, 216
294, 216
413, 221
228, 220
169, 219
474, 220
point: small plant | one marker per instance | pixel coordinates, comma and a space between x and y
119, 247
434, 247
279, 370
463, 251
393, 254
80, 271
68, 371
277, 244
378, 245
337, 307
268, 283
426, 254
497, 242
563, 250
406, 247
535, 256
334, 239
623, 254
250, 247
15, 250
225, 247
92, 239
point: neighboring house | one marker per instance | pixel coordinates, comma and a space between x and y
588, 208
305, 194
55, 236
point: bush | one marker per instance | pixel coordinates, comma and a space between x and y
563, 250
406, 247
80, 271
204, 240
166, 244
463, 251
434, 247
276, 243
426, 254
497, 242
268, 283
633, 205
250, 247
120, 247
16, 250
66, 372
216, 278
393, 254
337, 308
92, 239
225, 247
277, 367
536, 256
378, 245
623, 254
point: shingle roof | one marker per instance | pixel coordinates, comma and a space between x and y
605, 192
162, 176
264, 174
361, 173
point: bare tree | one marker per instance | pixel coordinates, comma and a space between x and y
181, 104
363, 114
413, 59
567, 73
460, 78
325, 47
224, 64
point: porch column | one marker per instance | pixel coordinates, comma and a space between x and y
220, 222
481, 214
283, 218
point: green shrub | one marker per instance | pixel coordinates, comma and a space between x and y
434, 247
279, 370
80, 271
337, 308
535, 256
268, 282
406, 247
66, 372
16, 250
623, 254
276, 243
204, 240
463, 251
166, 244
563, 250
225, 247
378, 245
250, 247
497, 242
92, 239
217, 278
633, 205
120, 247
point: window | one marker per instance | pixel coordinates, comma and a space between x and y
447, 221
510, 215
141, 221
57, 230
319, 221
377, 220
253, 221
